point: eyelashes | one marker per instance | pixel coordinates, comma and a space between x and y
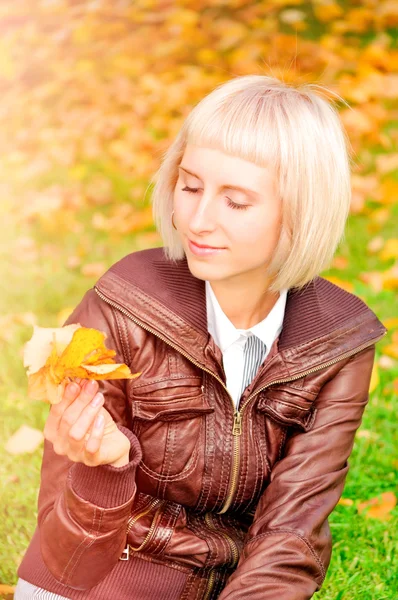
230, 203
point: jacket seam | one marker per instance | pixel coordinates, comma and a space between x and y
121, 337
160, 308
300, 537
282, 442
177, 476
81, 547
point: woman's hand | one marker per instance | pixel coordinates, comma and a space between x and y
80, 428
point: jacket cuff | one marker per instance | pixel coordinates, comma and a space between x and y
105, 485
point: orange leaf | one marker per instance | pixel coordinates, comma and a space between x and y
346, 285
345, 502
379, 507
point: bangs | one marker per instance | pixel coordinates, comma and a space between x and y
244, 125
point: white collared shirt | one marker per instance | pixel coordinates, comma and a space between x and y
231, 340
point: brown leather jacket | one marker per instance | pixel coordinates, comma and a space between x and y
237, 501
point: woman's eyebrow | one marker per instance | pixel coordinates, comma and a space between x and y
225, 186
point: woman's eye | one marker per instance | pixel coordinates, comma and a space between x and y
238, 206
230, 203
190, 190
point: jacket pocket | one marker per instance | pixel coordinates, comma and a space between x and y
169, 423
289, 406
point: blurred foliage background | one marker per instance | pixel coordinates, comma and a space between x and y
92, 93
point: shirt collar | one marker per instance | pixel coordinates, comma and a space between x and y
225, 333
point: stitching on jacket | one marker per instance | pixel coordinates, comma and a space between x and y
160, 309
223, 466
177, 477
358, 326
80, 548
225, 463
258, 479
167, 378
209, 463
290, 405
300, 537
124, 337
168, 455
121, 337
283, 439
263, 459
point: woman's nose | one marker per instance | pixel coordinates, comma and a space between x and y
204, 217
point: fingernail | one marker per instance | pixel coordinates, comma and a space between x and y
73, 388
99, 421
91, 384
98, 398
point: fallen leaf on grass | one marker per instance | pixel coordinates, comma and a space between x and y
391, 350
25, 439
56, 356
379, 507
391, 322
346, 285
374, 379
346, 502
368, 435
6, 591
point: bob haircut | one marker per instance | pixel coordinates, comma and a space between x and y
290, 129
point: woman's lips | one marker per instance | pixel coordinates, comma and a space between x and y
203, 250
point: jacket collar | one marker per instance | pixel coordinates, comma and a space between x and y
322, 321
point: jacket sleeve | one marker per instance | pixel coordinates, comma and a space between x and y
82, 510
288, 547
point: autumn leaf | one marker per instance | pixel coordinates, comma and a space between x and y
346, 502
6, 590
25, 439
379, 507
346, 285
55, 356
374, 379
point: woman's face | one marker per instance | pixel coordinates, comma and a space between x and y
244, 223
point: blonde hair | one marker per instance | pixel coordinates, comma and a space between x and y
299, 134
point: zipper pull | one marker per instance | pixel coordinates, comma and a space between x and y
125, 554
237, 428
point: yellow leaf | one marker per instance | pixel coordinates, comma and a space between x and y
118, 371
345, 502
390, 250
391, 322
326, 10
366, 434
55, 356
374, 379
346, 285
391, 350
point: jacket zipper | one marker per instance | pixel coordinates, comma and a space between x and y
237, 423
237, 429
210, 584
133, 519
234, 548
234, 552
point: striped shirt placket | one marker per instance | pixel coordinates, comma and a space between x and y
253, 351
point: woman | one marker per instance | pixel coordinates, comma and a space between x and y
214, 471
